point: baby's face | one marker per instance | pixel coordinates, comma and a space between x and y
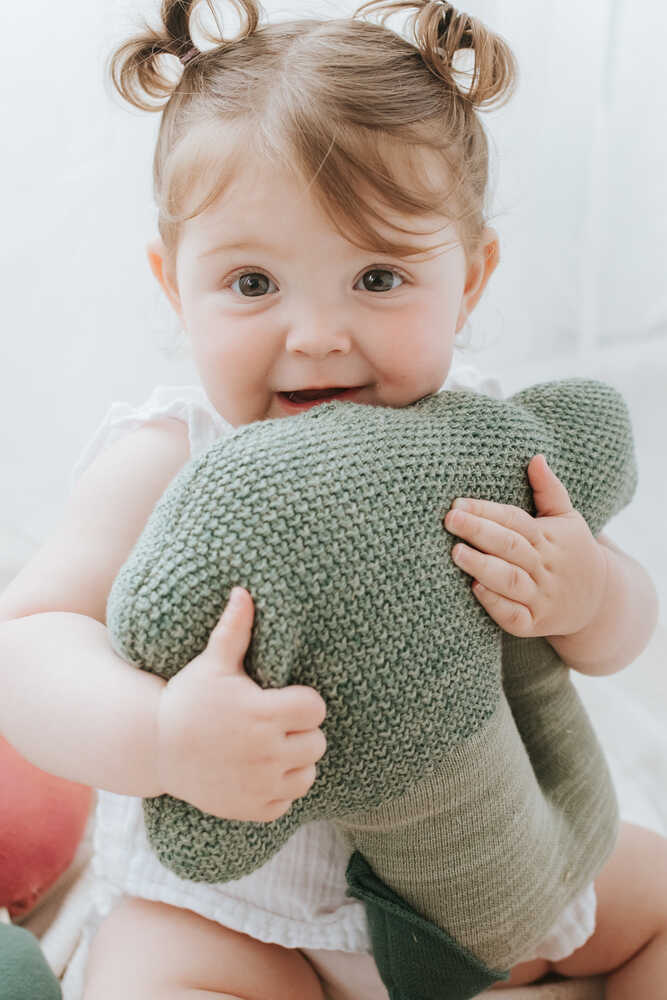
276, 302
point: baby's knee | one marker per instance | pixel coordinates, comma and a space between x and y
525, 973
147, 950
121, 954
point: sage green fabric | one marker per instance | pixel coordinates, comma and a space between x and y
24, 972
333, 521
417, 960
500, 876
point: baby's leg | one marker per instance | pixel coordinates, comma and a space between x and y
631, 920
151, 951
631, 924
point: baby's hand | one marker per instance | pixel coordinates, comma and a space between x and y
225, 744
535, 576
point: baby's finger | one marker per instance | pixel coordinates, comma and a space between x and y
302, 749
230, 638
510, 517
550, 496
499, 576
274, 810
494, 539
298, 782
294, 709
512, 617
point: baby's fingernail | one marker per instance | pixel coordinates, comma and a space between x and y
461, 505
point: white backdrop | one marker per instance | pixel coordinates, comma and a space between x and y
579, 200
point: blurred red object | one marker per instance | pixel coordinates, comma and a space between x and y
42, 821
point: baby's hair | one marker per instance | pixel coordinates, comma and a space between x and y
372, 121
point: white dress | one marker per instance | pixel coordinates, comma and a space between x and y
298, 898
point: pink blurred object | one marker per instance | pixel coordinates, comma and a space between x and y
42, 821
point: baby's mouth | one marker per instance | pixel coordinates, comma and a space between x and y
308, 395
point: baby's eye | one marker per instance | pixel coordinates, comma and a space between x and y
253, 284
380, 279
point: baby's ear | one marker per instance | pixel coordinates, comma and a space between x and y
158, 261
480, 269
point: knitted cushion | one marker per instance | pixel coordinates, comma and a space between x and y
476, 821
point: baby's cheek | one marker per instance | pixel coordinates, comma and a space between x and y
418, 357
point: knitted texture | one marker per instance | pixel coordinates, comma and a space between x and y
333, 521
494, 844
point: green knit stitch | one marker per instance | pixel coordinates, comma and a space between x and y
473, 848
333, 521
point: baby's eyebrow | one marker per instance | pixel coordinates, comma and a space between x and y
417, 253
236, 245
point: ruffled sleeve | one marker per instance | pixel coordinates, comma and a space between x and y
463, 376
188, 403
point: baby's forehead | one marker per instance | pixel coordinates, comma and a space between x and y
233, 173
266, 206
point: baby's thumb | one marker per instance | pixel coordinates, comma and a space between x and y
230, 638
550, 496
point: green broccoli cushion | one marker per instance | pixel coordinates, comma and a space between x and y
479, 824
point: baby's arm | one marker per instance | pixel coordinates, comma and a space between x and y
75, 708
625, 621
70, 704
548, 576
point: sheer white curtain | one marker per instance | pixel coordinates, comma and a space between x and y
583, 190
579, 181
579, 200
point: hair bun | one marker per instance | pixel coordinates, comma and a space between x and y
135, 67
466, 38
440, 31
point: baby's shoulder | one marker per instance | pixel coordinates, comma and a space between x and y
104, 515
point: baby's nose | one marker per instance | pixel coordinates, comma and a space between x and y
318, 339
